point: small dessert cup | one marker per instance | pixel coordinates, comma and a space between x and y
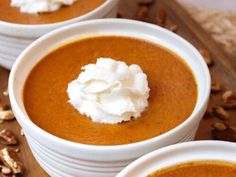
181, 153
60, 157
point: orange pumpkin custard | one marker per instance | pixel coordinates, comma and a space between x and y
198, 169
13, 14
172, 97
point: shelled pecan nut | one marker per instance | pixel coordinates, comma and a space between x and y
7, 137
220, 112
219, 126
206, 56
6, 114
10, 160
229, 99
224, 133
215, 87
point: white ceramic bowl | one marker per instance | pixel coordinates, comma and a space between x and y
64, 158
180, 153
14, 38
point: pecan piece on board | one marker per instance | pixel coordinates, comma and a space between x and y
7, 137
10, 160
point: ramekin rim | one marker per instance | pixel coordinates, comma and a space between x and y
109, 147
192, 144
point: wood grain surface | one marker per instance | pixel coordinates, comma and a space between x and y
224, 71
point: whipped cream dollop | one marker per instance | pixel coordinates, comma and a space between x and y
110, 91
40, 6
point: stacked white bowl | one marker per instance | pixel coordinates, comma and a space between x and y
14, 38
60, 157
181, 153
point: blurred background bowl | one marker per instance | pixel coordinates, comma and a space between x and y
14, 38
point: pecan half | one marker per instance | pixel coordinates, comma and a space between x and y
6, 114
229, 99
7, 137
215, 87
224, 133
10, 160
219, 126
220, 112
206, 56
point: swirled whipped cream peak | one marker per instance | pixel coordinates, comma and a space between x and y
110, 91
40, 6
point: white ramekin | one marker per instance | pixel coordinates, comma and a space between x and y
64, 158
14, 38
180, 153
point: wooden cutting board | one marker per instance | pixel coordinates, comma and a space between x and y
224, 70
